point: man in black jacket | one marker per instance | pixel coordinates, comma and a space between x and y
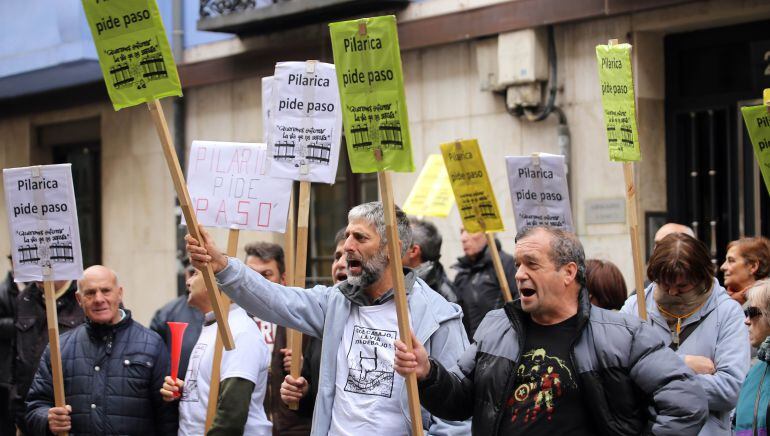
476, 283
8, 293
32, 336
423, 256
554, 364
113, 370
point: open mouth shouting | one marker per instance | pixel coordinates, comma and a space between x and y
340, 275
355, 266
527, 293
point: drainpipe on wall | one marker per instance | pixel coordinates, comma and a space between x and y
177, 48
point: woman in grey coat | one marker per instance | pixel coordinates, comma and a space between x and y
696, 317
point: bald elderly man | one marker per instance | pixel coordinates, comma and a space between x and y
113, 370
669, 228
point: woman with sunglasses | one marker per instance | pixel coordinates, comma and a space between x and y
691, 312
752, 411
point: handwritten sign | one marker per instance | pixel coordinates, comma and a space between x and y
43, 221
229, 188
267, 98
757, 121
539, 191
133, 51
470, 184
306, 125
432, 193
368, 61
617, 87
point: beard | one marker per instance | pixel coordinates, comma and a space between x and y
371, 270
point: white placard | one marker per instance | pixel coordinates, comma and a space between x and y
267, 97
229, 187
43, 221
539, 191
306, 126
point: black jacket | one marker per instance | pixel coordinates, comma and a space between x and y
622, 369
112, 380
434, 275
477, 287
32, 337
177, 310
8, 293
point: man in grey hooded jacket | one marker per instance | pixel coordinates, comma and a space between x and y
358, 390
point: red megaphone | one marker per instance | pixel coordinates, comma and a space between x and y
177, 333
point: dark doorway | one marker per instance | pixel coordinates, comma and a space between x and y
712, 184
78, 143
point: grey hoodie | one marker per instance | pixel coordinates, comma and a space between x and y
322, 312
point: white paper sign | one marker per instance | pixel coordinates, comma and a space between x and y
267, 98
306, 126
43, 221
539, 191
229, 188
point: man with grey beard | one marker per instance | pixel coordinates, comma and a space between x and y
358, 390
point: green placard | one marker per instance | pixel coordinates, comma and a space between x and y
133, 50
368, 63
757, 121
617, 87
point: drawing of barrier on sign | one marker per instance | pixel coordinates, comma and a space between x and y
318, 153
391, 135
361, 137
284, 150
28, 254
153, 67
121, 75
62, 252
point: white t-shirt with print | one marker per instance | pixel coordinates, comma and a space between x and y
249, 360
268, 330
367, 399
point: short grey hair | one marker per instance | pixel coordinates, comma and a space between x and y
565, 248
374, 214
426, 235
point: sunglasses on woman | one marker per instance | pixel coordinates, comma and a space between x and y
752, 312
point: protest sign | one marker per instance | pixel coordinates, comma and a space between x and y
617, 87
539, 191
472, 189
138, 67
45, 238
43, 222
229, 188
368, 62
267, 98
757, 120
432, 193
306, 122
133, 51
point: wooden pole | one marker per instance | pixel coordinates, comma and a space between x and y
501, 278
633, 229
294, 337
216, 366
402, 308
220, 311
52, 319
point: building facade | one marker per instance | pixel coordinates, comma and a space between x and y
695, 64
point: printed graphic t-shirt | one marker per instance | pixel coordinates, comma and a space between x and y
367, 399
249, 360
545, 398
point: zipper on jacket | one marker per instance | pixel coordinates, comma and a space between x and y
756, 401
518, 328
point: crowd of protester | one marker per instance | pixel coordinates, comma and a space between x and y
569, 355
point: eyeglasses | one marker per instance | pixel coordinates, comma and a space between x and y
752, 312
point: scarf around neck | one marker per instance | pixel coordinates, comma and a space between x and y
680, 307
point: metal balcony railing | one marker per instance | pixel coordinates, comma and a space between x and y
263, 16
